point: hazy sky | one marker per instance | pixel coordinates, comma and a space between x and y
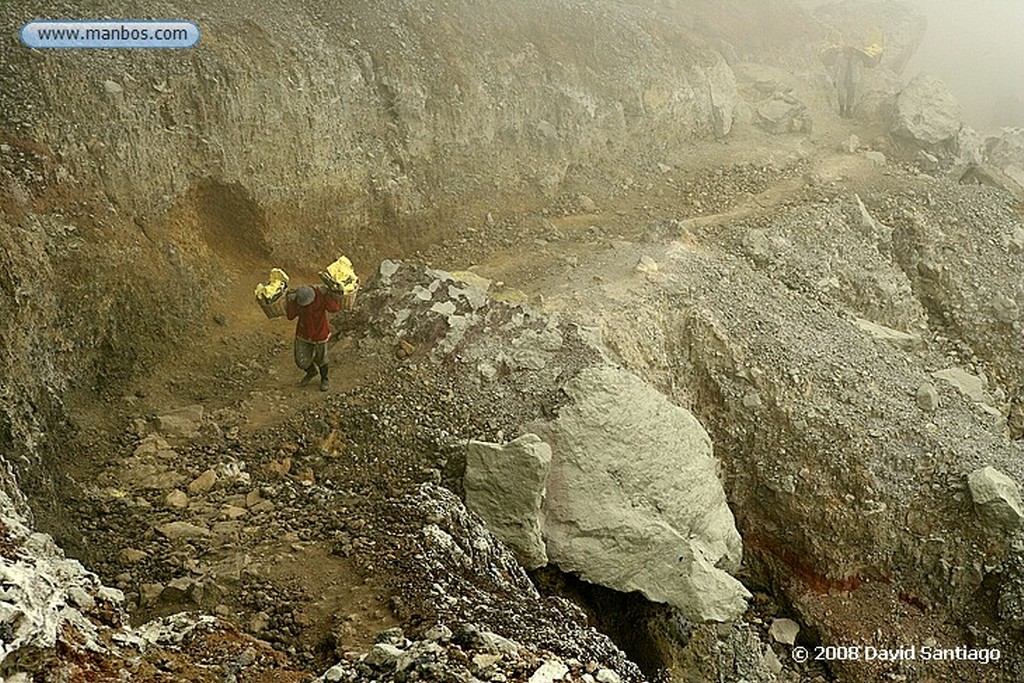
977, 47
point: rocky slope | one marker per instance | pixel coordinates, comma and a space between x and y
841, 317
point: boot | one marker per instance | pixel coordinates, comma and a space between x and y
324, 383
310, 374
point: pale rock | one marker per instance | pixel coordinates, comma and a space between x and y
182, 531
927, 112
634, 502
997, 498
1005, 309
724, 96
149, 593
131, 556
176, 499
550, 671
971, 386
444, 307
607, 676
233, 512
438, 633
383, 656
181, 422
388, 268
80, 597
647, 265
151, 445
877, 158
484, 660
203, 483
903, 340
492, 642
259, 622
927, 397
505, 485
784, 631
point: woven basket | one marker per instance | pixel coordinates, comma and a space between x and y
273, 309
348, 300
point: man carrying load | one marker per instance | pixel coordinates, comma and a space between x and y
312, 331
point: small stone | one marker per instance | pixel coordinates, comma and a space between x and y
178, 590
607, 676
550, 671
391, 636
233, 512
149, 593
131, 556
438, 633
784, 631
335, 673
647, 265
176, 499
113, 87
1005, 309
772, 661
877, 158
176, 531
485, 660
752, 400
495, 643
252, 498
927, 397
259, 622
383, 656
203, 483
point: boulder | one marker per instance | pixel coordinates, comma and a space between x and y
927, 113
997, 498
505, 485
634, 502
724, 97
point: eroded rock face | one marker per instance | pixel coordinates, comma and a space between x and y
634, 501
505, 485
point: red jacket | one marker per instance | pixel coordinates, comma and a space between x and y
313, 325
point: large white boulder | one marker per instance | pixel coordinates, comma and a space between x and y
997, 498
927, 113
634, 502
504, 484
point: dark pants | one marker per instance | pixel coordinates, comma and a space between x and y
311, 355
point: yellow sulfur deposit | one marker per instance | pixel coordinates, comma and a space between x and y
340, 276
273, 289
